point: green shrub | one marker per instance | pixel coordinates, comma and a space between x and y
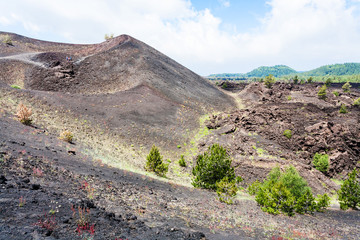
328, 82
322, 92
15, 86
285, 192
226, 190
182, 162
224, 85
346, 87
310, 80
296, 79
287, 133
154, 162
269, 81
254, 187
321, 162
306, 203
288, 98
343, 109
349, 193
335, 93
211, 167
357, 102
323, 202
179, 146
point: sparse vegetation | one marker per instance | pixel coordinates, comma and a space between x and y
336, 93
155, 163
182, 161
356, 102
349, 193
321, 162
66, 136
328, 82
346, 87
287, 133
7, 39
322, 92
224, 86
24, 114
226, 189
288, 98
211, 167
15, 86
269, 81
108, 36
296, 79
286, 192
343, 109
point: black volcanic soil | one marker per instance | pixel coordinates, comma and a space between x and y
119, 98
316, 125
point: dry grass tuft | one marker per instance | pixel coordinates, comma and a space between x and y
24, 114
66, 136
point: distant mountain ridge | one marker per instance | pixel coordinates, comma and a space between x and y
283, 70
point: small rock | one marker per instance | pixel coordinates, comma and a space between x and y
3, 179
35, 186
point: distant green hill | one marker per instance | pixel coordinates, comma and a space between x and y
346, 69
334, 70
277, 71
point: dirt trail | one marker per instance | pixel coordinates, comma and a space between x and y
25, 57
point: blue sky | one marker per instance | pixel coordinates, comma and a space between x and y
213, 36
240, 15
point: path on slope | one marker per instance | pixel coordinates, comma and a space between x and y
25, 57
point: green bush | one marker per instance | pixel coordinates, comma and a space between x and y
306, 203
343, 109
322, 92
224, 86
288, 98
357, 102
254, 187
310, 80
15, 86
269, 81
328, 82
335, 93
287, 133
154, 162
182, 162
296, 79
321, 162
323, 202
346, 87
226, 190
349, 193
211, 167
285, 192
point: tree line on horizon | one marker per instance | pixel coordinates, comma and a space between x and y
339, 73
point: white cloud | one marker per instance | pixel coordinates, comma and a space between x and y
225, 3
300, 33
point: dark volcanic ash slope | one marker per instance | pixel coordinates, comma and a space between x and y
121, 83
117, 65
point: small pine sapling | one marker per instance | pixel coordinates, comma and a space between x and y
349, 193
155, 163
